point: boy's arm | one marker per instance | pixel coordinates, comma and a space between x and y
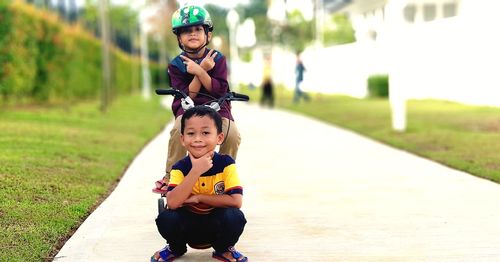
200, 73
207, 64
177, 81
220, 85
233, 194
214, 79
234, 200
194, 87
181, 192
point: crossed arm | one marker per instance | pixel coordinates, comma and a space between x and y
201, 76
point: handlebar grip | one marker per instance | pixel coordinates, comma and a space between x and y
166, 91
240, 97
171, 91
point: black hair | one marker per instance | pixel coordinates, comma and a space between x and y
202, 110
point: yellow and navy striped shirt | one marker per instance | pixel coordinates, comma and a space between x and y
222, 178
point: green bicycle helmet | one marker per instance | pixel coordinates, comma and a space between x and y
191, 15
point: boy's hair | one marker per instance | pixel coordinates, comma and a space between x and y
202, 110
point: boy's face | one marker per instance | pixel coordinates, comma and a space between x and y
200, 135
193, 37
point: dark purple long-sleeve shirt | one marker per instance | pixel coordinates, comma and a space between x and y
180, 79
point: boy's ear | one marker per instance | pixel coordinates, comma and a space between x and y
182, 140
220, 138
209, 36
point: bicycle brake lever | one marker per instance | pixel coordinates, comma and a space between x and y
215, 106
187, 103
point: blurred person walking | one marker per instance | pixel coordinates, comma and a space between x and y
267, 98
299, 77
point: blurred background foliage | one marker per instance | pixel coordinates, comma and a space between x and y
50, 51
46, 61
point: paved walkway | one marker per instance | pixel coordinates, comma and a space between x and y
313, 192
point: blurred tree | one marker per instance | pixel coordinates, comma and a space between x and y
170, 39
123, 21
221, 30
257, 9
163, 43
41, 3
89, 17
340, 31
61, 8
297, 33
124, 25
72, 12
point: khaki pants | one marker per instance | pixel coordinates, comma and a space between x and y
176, 150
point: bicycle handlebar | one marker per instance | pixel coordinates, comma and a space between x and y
232, 96
187, 102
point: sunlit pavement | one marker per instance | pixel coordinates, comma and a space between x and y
313, 192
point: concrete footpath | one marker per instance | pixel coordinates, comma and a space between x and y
313, 192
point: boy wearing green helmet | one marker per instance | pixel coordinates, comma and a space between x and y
201, 73
189, 16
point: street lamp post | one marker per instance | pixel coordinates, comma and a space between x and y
147, 23
319, 14
397, 90
232, 20
106, 68
276, 13
146, 77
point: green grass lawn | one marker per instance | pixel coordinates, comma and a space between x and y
57, 164
460, 136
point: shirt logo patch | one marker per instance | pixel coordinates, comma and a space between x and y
219, 188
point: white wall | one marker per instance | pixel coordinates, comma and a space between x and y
455, 59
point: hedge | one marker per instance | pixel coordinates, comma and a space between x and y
44, 60
378, 86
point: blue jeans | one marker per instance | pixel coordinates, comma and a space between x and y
298, 94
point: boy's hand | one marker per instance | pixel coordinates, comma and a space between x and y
191, 66
209, 61
192, 199
202, 164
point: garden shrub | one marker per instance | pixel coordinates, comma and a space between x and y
378, 86
44, 60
